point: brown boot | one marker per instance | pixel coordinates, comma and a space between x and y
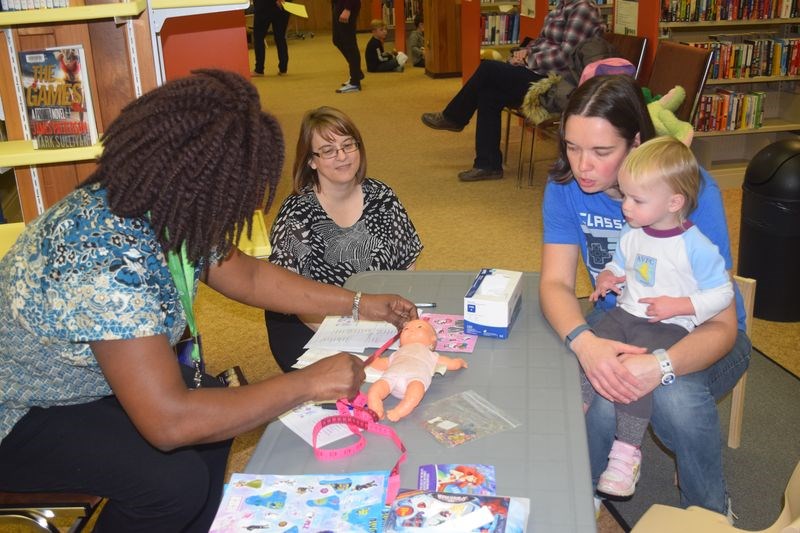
438, 121
480, 174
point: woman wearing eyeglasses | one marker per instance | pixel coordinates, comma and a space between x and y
338, 222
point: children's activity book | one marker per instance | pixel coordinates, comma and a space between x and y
57, 97
458, 478
294, 503
450, 332
419, 510
464, 417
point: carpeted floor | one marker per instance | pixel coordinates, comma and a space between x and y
464, 226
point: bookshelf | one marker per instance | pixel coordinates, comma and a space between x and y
471, 35
723, 151
124, 52
500, 24
443, 40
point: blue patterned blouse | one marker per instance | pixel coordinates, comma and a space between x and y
77, 274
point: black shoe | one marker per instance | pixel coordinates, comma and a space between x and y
438, 121
480, 174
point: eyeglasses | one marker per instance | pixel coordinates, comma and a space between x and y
330, 151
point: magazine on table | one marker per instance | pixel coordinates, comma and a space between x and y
420, 510
328, 502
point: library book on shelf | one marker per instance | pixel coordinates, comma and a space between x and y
719, 10
58, 98
20, 5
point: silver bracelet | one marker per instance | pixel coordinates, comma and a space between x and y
356, 304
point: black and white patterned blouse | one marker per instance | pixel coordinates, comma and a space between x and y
305, 240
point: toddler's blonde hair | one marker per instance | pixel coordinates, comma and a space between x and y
668, 160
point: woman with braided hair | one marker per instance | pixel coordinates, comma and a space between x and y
93, 398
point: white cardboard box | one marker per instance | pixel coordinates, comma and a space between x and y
492, 302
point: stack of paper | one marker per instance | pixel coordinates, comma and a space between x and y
343, 334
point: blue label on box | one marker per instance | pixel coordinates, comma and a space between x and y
472, 328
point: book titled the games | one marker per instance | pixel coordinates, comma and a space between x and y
57, 96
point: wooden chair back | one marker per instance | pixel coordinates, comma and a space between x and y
684, 65
747, 286
630, 47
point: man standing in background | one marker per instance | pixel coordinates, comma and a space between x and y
270, 13
345, 15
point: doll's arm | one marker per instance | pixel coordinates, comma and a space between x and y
414, 393
451, 363
380, 363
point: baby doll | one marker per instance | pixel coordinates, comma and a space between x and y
407, 373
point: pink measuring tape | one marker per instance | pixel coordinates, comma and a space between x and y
357, 416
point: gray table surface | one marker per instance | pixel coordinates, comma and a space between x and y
531, 376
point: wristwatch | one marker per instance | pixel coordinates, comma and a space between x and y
667, 373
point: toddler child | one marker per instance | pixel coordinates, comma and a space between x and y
416, 42
674, 280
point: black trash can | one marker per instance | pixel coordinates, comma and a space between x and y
769, 235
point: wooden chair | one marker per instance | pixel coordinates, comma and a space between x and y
747, 286
684, 65
665, 519
630, 47
38, 509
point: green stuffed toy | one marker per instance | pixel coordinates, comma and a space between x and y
662, 113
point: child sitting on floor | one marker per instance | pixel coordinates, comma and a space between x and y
416, 42
378, 60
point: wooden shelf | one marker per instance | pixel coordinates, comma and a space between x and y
22, 153
170, 4
66, 14
772, 125
499, 5
507, 46
727, 23
757, 79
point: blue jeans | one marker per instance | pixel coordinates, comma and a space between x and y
686, 421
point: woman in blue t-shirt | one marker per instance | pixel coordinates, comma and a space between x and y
605, 118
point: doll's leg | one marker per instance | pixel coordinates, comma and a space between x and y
375, 395
414, 393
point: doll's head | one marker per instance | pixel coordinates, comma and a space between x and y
420, 332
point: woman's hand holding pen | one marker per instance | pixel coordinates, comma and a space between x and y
389, 307
337, 376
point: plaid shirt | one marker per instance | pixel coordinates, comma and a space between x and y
571, 22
